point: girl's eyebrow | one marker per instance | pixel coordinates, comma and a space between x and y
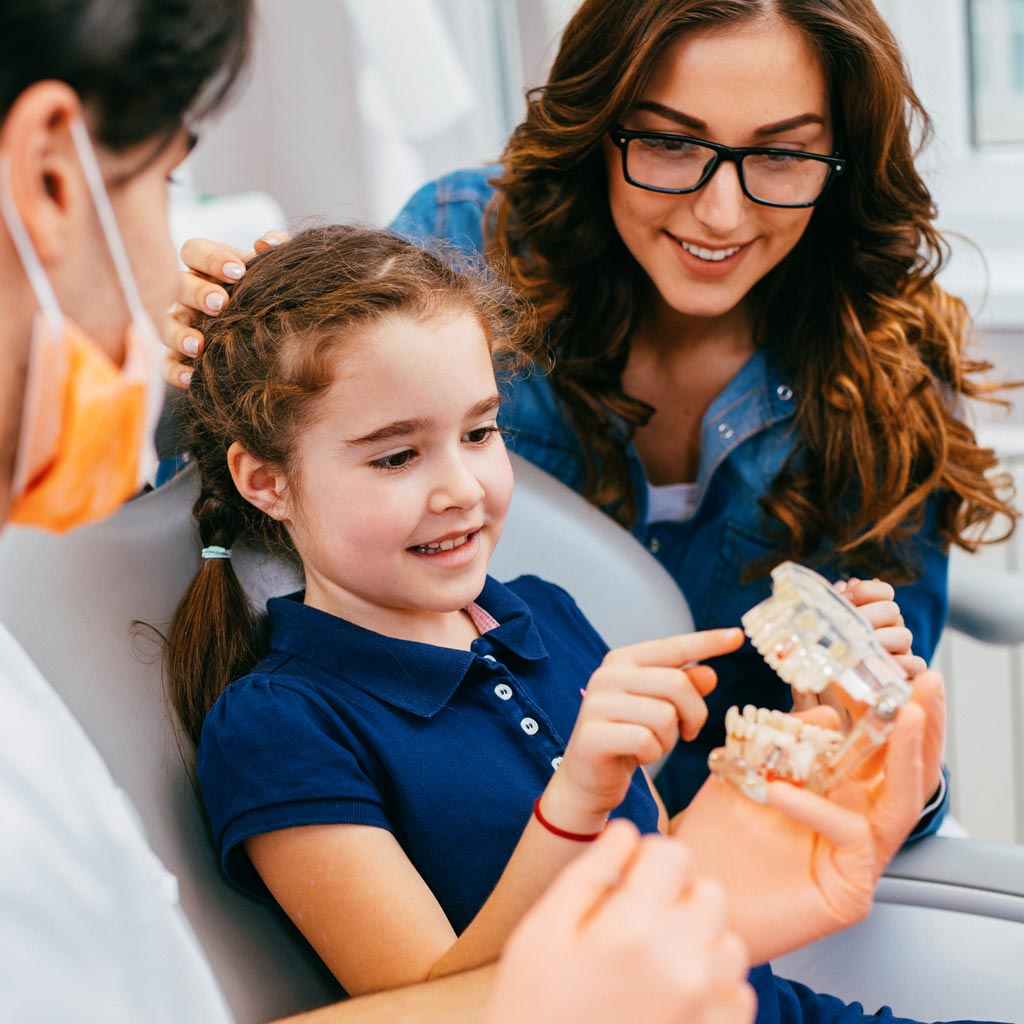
402, 428
697, 125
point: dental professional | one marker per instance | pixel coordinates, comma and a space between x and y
96, 102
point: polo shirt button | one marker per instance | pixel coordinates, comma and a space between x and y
503, 690
489, 657
784, 392
654, 545
556, 761
529, 726
725, 431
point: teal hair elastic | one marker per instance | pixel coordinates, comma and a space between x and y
216, 551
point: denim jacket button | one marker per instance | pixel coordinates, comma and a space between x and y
784, 392
725, 431
654, 545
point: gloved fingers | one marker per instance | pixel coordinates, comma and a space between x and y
659, 870
902, 793
585, 884
843, 827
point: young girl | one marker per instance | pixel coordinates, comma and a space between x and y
408, 761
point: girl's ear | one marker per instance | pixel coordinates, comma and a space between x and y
260, 484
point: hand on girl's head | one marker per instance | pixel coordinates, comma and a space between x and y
637, 705
635, 934
208, 265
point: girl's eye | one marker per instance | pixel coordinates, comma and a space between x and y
396, 461
481, 435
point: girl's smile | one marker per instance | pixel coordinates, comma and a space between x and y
403, 481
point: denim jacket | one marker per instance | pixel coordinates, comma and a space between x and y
746, 436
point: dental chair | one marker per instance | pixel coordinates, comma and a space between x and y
946, 937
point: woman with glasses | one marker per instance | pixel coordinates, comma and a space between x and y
714, 207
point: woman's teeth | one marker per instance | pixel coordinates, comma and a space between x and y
443, 545
711, 255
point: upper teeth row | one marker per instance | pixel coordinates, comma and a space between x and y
447, 545
715, 255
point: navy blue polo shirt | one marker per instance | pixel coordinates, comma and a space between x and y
447, 749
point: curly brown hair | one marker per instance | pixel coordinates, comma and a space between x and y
879, 388
268, 358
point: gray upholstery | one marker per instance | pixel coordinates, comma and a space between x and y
985, 602
71, 600
945, 940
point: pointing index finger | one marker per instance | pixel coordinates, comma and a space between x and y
677, 651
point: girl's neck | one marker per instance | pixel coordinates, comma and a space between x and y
453, 629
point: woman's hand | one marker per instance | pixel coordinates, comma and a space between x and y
807, 865
626, 932
637, 704
209, 265
877, 603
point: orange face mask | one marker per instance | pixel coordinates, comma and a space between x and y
85, 442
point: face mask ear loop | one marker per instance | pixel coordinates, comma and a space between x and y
44, 293
145, 331
108, 222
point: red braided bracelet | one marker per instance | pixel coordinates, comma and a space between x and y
576, 837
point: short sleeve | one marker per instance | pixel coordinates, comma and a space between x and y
273, 756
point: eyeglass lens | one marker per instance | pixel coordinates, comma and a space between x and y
788, 179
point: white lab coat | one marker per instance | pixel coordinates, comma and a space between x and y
90, 925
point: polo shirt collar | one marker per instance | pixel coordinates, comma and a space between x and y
416, 677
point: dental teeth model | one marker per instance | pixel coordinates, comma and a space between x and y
762, 745
813, 638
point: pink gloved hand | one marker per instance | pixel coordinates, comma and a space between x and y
636, 706
626, 932
805, 865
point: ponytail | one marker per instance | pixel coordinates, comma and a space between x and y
216, 634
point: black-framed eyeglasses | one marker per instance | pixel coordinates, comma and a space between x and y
677, 164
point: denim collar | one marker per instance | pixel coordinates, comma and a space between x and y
417, 677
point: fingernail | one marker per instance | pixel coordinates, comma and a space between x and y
191, 345
840, 585
185, 378
270, 240
215, 302
233, 270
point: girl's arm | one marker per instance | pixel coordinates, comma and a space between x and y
363, 906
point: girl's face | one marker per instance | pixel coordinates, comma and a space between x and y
404, 481
759, 84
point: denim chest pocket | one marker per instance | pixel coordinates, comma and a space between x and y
726, 595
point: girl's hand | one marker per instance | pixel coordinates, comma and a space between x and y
209, 263
807, 865
637, 704
626, 932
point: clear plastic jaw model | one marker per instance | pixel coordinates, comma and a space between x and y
813, 638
